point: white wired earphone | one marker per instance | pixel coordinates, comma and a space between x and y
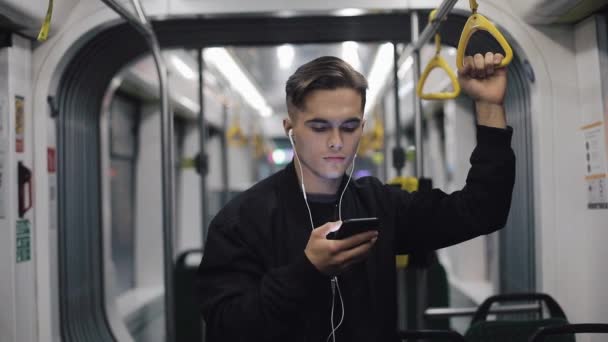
334, 280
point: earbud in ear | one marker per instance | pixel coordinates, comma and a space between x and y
290, 133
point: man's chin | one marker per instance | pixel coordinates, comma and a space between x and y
333, 174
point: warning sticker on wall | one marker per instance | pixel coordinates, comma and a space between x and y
19, 123
51, 160
24, 241
596, 166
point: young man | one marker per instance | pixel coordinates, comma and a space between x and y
267, 275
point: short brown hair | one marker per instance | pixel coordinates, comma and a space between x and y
322, 73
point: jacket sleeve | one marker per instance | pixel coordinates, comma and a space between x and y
241, 299
433, 219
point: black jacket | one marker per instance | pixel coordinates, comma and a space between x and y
256, 284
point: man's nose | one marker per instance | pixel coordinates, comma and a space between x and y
335, 140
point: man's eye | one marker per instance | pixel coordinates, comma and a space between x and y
319, 128
351, 127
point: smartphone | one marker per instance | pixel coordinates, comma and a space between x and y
354, 226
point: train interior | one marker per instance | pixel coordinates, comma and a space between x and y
120, 142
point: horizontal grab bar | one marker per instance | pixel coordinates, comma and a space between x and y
436, 313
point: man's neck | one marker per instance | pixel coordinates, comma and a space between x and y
314, 183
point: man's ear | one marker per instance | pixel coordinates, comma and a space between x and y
287, 125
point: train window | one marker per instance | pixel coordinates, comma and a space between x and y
124, 119
134, 241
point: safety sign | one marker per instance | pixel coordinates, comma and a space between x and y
595, 166
24, 241
19, 123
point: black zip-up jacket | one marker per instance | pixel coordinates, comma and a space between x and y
256, 284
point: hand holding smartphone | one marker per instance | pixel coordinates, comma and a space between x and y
355, 226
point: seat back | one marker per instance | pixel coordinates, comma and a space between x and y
511, 330
482, 330
430, 335
552, 334
188, 319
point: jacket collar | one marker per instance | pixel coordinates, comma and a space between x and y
291, 193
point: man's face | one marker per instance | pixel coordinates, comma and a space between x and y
327, 131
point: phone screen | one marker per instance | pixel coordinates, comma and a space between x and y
354, 226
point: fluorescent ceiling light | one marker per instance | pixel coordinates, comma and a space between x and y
183, 68
188, 103
285, 53
406, 88
238, 79
210, 78
381, 69
349, 12
350, 53
405, 67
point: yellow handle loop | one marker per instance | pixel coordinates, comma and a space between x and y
46, 25
477, 22
409, 184
437, 62
437, 44
235, 135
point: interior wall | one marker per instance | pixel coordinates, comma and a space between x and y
569, 237
18, 253
583, 233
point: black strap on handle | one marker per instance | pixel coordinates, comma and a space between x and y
554, 309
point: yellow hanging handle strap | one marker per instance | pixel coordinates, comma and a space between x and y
235, 135
437, 62
475, 23
46, 25
409, 184
473, 5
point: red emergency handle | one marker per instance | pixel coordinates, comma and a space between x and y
24, 177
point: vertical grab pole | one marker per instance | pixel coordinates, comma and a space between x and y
417, 102
399, 164
398, 152
168, 182
225, 181
420, 274
143, 26
203, 160
168, 179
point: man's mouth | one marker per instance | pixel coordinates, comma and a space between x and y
335, 159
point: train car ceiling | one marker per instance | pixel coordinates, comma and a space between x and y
557, 11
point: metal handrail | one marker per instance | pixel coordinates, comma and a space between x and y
143, 26
437, 313
414, 52
432, 27
429, 31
